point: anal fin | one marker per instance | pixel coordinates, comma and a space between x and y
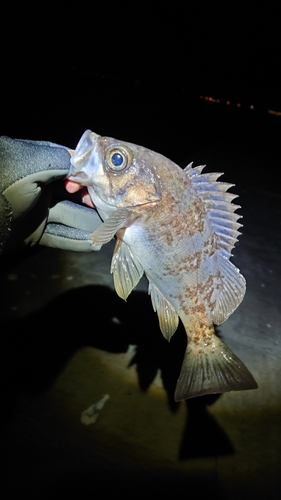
214, 369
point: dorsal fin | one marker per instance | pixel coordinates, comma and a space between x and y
229, 291
229, 288
219, 207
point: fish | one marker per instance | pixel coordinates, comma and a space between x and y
177, 227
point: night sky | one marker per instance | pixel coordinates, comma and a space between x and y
139, 76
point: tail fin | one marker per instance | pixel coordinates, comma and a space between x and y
211, 372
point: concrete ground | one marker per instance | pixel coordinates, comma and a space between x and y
67, 340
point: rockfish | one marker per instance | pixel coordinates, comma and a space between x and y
178, 227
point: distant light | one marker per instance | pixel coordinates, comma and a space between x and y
272, 112
238, 105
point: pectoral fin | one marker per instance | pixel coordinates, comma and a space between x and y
126, 269
106, 231
167, 315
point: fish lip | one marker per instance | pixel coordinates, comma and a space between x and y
88, 136
79, 177
83, 151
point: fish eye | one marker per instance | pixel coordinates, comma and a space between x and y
118, 158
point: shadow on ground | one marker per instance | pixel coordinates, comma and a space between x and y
36, 349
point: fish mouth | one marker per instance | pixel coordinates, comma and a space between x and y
79, 176
77, 179
81, 154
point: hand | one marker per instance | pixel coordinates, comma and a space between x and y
74, 187
33, 204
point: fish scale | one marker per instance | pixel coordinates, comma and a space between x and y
178, 227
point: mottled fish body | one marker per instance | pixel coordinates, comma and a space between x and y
178, 227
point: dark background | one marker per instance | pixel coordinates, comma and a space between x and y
137, 74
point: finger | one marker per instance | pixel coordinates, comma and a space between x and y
87, 199
72, 187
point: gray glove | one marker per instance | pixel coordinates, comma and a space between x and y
33, 204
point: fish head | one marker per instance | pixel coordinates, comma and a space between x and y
117, 174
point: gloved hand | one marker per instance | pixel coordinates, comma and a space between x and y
31, 181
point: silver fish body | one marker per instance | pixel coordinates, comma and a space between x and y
178, 227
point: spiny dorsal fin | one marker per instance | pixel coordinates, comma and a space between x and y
168, 318
219, 208
229, 287
194, 170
